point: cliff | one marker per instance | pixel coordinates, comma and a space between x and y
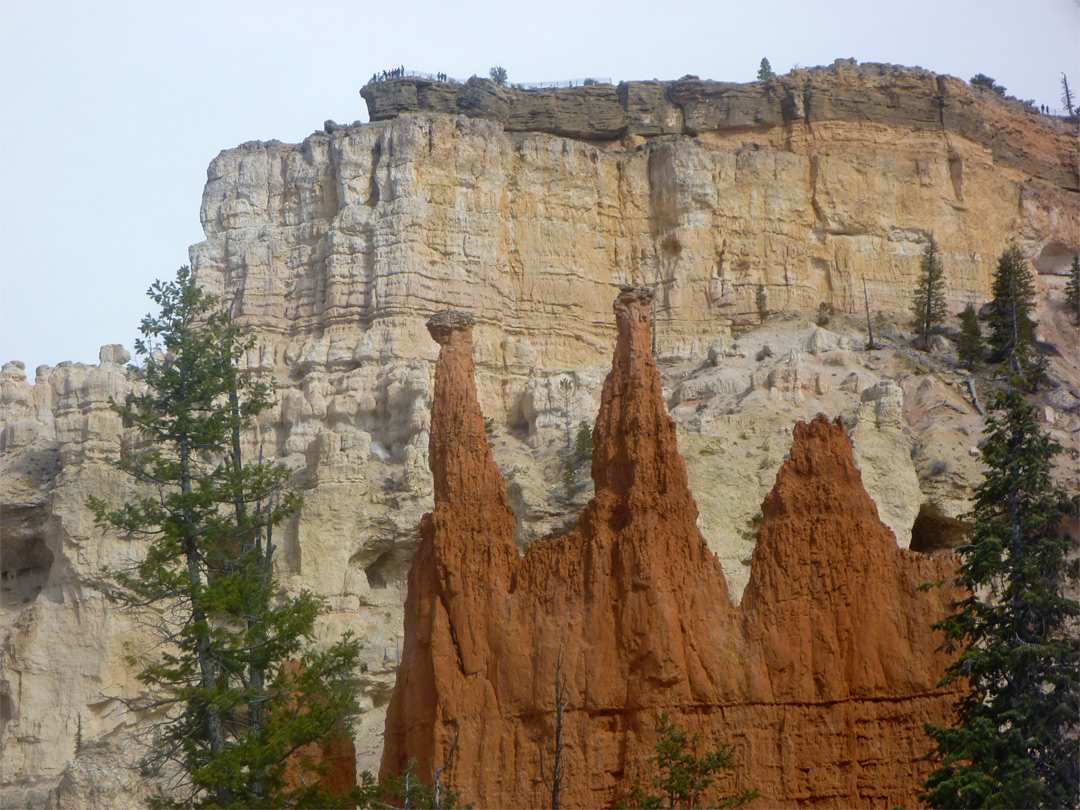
365, 230
823, 676
335, 252
846, 92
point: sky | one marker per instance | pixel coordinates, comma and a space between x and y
110, 112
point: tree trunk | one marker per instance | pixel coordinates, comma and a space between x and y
208, 674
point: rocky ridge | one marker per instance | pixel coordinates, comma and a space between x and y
824, 687
845, 92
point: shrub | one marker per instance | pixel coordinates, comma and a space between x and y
982, 80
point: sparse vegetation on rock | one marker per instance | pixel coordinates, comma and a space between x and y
410, 791
355, 383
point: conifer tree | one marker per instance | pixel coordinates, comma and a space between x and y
683, 779
1012, 331
765, 71
970, 348
928, 303
237, 682
762, 302
1072, 290
1011, 743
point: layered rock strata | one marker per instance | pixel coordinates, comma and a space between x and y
339, 248
823, 677
847, 92
335, 251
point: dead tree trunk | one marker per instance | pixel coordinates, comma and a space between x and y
562, 700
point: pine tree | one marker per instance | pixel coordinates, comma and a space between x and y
970, 348
683, 778
762, 302
1072, 290
928, 303
583, 443
1010, 745
239, 685
765, 71
1011, 328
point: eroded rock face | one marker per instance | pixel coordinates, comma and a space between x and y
334, 252
843, 92
824, 676
342, 246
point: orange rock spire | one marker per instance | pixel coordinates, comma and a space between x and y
823, 676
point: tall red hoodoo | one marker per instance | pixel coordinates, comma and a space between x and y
823, 676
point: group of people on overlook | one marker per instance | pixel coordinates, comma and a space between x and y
393, 73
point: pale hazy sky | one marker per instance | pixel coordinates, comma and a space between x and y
110, 112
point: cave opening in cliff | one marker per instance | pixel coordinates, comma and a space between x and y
375, 572
25, 560
934, 532
385, 565
1054, 258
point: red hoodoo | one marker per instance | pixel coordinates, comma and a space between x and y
823, 676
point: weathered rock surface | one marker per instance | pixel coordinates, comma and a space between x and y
342, 246
63, 648
824, 676
335, 252
845, 92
